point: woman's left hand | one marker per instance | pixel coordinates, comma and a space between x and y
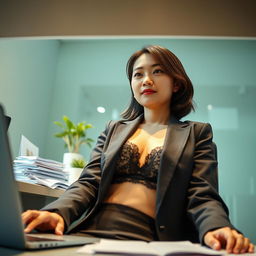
229, 239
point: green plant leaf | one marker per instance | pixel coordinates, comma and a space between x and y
86, 141
73, 135
59, 124
88, 126
78, 163
60, 135
69, 124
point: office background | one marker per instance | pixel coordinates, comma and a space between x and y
43, 79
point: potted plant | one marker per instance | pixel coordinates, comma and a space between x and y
74, 136
76, 169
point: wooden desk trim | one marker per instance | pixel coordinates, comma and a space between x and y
38, 189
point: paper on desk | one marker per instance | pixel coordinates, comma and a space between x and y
129, 247
183, 247
41, 171
27, 148
118, 247
51, 183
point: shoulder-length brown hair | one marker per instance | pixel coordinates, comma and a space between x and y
182, 100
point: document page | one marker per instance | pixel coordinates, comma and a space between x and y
108, 246
130, 247
181, 248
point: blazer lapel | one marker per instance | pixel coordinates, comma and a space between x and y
176, 137
122, 132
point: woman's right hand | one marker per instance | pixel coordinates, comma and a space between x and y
43, 221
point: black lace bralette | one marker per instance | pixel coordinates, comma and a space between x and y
128, 168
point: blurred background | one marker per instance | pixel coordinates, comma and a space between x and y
69, 59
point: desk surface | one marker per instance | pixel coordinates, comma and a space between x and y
70, 251
39, 189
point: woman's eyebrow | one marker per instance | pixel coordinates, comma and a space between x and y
154, 65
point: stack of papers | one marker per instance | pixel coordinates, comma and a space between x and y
37, 170
128, 247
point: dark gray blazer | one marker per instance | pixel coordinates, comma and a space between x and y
187, 202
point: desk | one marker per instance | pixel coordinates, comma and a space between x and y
71, 251
35, 196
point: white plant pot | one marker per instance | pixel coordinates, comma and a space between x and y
73, 174
69, 157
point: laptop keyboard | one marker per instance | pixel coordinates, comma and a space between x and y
40, 239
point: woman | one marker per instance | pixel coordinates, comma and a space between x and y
150, 176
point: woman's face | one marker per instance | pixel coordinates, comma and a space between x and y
151, 86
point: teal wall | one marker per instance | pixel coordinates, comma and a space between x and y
74, 77
27, 75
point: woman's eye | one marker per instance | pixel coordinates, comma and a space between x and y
137, 74
158, 71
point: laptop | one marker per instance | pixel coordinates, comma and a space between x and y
7, 121
12, 229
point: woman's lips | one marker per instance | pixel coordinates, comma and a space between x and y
148, 91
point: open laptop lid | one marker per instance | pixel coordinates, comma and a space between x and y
11, 226
7, 121
10, 221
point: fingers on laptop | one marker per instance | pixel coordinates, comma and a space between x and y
59, 228
27, 216
43, 221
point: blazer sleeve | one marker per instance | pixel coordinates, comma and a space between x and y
82, 194
205, 206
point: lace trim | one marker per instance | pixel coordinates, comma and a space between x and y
128, 169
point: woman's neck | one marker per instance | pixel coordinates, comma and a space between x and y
156, 117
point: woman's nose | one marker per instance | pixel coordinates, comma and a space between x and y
147, 80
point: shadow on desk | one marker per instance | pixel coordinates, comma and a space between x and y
35, 196
68, 251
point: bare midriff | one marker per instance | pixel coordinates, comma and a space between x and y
136, 195
133, 195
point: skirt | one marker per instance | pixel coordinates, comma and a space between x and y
116, 221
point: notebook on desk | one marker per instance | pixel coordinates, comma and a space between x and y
12, 229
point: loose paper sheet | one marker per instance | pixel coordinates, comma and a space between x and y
109, 246
27, 148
